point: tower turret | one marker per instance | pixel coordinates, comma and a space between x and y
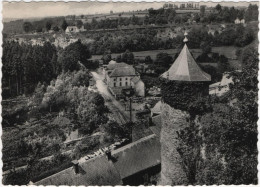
182, 84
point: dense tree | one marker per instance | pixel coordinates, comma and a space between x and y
56, 28
64, 25
218, 7
251, 13
202, 10
74, 54
27, 26
163, 59
48, 25
24, 66
79, 23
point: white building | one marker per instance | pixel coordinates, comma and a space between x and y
74, 29
119, 76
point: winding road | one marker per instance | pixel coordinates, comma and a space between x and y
120, 115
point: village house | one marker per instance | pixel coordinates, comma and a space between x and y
238, 21
222, 87
213, 29
119, 76
74, 29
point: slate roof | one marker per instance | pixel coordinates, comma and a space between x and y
137, 156
112, 66
123, 71
98, 171
186, 69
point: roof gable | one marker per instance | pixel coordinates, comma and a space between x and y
186, 69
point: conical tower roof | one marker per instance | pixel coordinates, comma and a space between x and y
186, 69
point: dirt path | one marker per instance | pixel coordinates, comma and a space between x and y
115, 106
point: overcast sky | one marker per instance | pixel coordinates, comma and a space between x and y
44, 9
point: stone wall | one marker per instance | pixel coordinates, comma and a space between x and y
173, 120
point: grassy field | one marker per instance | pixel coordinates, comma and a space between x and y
228, 51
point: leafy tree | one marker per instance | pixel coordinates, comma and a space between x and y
218, 7
48, 25
205, 47
107, 58
74, 54
38, 29
27, 26
202, 10
79, 23
64, 25
127, 57
164, 59
251, 13
56, 28
171, 16
148, 60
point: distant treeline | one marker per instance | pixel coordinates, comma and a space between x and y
146, 39
159, 17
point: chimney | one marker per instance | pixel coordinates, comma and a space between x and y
109, 155
75, 166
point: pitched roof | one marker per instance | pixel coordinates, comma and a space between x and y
137, 156
98, 171
157, 108
112, 66
123, 71
186, 69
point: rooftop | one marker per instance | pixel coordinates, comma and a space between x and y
123, 71
186, 69
112, 66
98, 171
126, 161
138, 156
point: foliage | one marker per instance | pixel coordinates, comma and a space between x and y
113, 132
220, 146
74, 54
251, 13
187, 96
27, 26
25, 65
163, 59
64, 25
214, 72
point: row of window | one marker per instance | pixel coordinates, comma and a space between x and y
120, 84
120, 79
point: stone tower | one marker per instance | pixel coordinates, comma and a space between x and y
182, 84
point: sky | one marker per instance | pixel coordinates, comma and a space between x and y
45, 9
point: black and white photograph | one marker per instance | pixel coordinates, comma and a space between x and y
129, 93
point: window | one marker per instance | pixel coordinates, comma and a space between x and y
126, 83
114, 79
120, 79
120, 84
126, 78
114, 84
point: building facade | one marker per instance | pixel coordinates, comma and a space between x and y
119, 76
